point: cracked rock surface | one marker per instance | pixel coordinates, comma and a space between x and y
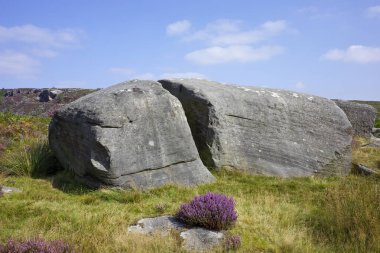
162, 225
265, 131
200, 239
194, 239
133, 134
361, 116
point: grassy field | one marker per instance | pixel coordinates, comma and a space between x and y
275, 215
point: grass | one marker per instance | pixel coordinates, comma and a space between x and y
274, 214
24, 150
366, 155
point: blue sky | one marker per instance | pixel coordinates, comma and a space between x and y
326, 48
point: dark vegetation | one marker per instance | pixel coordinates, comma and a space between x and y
36, 246
26, 101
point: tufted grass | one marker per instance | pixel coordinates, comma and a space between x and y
274, 214
366, 155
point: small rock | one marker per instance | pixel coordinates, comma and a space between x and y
9, 93
363, 170
54, 93
200, 239
5, 189
44, 96
162, 225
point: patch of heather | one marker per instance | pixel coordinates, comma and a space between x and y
36, 246
212, 211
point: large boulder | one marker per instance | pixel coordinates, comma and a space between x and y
361, 116
133, 134
265, 131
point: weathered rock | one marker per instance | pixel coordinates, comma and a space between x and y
199, 239
54, 93
361, 116
133, 134
44, 96
162, 225
9, 93
376, 132
195, 239
265, 131
5, 189
363, 170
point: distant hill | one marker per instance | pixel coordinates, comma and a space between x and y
38, 102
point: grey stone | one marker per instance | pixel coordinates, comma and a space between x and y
54, 93
376, 132
162, 225
134, 135
363, 170
199, 239
361, 116
44, 96
265, 131
5, 189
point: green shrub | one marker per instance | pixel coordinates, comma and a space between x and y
32, 158
377, 123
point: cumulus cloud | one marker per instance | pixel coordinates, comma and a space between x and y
179, 27
354, 53
244, 53
18, 64
373, 11
228, 41
231, 32
33, 42
41, 36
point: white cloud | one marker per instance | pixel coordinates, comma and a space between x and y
125, 71
354, 53
373, 11
41, 36
218, 55
18, 65
231, 41
230, 32
179, 27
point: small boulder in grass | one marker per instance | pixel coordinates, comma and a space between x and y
36, 245
212, 211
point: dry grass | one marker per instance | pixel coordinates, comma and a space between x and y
362, 154
274, 214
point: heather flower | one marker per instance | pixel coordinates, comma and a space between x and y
212, 211
36, 246
232, 242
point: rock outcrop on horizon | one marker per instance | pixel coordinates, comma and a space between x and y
134, 134
361, 116
265, 131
